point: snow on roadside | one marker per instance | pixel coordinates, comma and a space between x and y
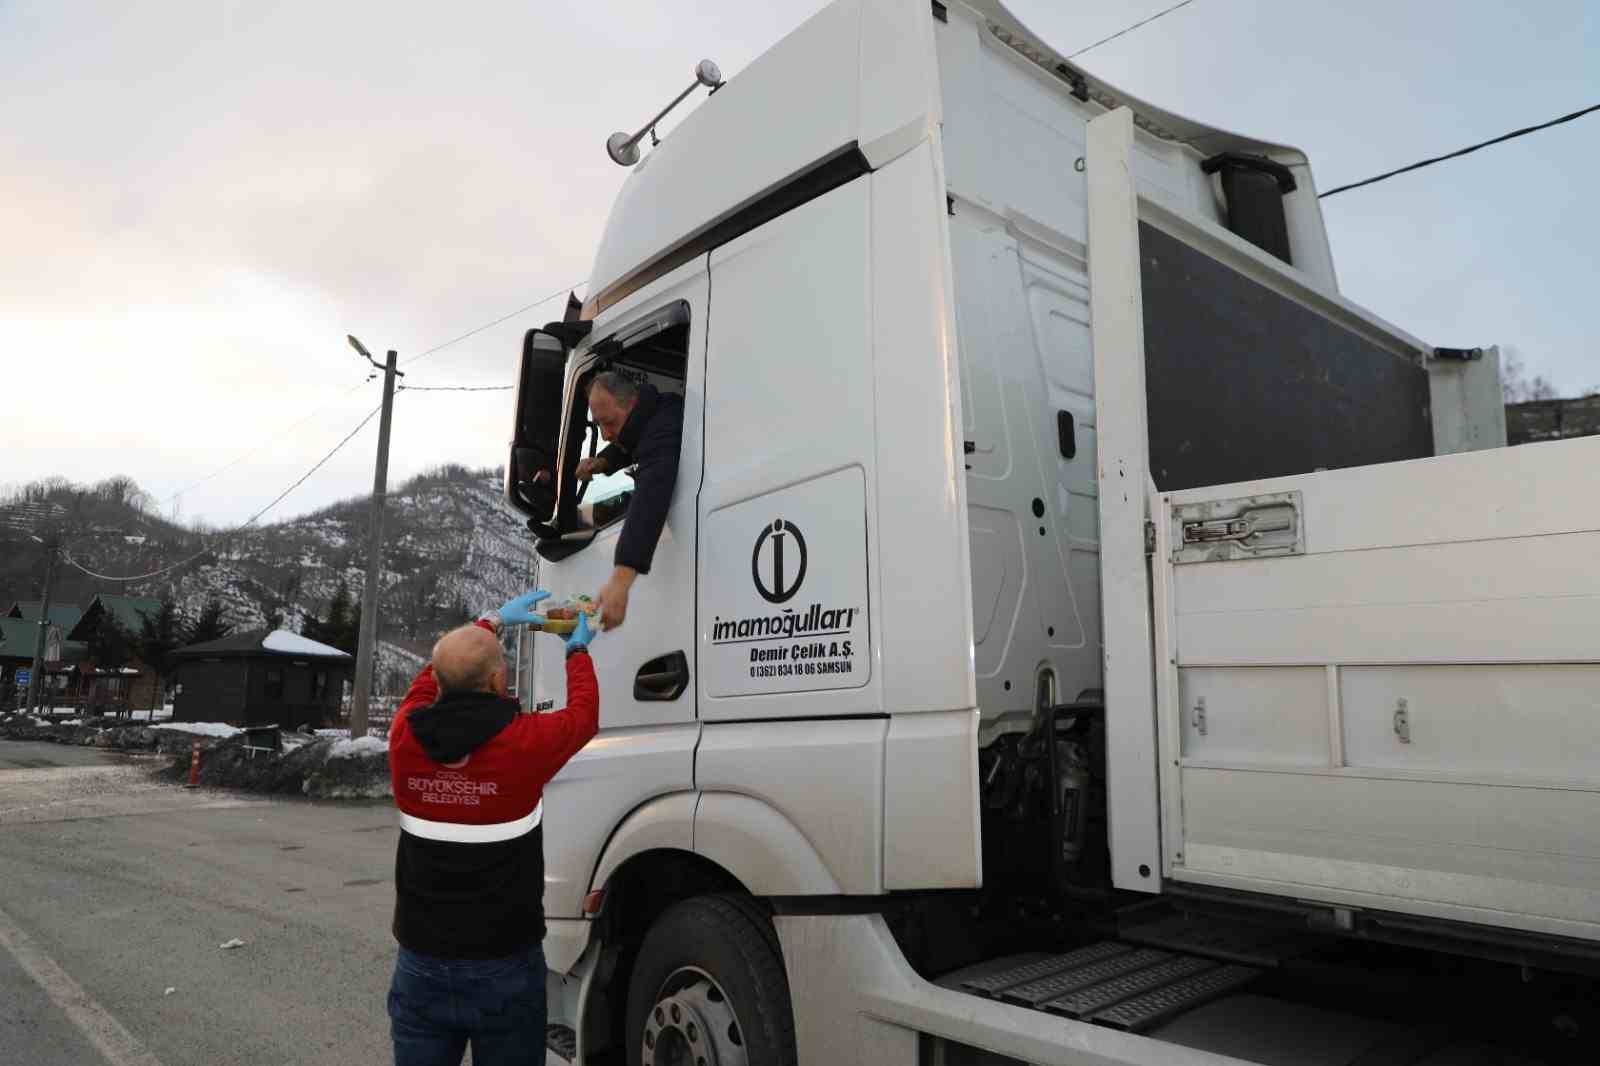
348, 749
202, 729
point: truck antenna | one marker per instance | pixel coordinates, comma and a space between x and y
624, 149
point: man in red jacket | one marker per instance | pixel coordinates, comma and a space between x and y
468, 771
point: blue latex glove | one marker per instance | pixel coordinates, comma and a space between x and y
579, 639
516, 612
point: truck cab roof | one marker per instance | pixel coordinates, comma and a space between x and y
797, 111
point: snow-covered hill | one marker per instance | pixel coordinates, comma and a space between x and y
452, 548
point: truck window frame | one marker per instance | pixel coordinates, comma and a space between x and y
577, 526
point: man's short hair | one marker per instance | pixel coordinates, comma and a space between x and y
472, 664
623, 389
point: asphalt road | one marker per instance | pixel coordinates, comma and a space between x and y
22, 756
115, 889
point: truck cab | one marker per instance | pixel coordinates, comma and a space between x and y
1065, 590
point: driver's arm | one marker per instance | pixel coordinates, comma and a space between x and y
612, 459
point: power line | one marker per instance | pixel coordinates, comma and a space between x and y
438, 347
1130, 29
1464, 151
456, 388
242, 456
135, 577
331, 453
487, 325
242, 526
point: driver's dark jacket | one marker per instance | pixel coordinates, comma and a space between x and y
651, 439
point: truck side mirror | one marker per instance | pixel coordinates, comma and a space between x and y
536, 433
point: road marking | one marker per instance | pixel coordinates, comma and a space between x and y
119, 1046
217, 805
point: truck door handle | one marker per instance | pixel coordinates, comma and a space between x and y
1066, 435
663, 679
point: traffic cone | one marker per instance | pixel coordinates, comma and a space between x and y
194, 764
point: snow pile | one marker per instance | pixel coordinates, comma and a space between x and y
201, 729
310, 767
150, 716
347, 749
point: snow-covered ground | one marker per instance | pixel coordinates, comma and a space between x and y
153, 716
141, 715
345, 748
201, 729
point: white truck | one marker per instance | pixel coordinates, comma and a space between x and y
1079, 635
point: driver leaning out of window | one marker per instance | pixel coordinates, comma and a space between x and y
642, 427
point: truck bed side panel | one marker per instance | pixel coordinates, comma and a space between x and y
1404, 715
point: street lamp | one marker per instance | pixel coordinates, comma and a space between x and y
53, 549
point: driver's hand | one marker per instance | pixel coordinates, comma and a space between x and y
588, 468
612, 599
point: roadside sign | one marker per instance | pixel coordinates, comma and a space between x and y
23, 676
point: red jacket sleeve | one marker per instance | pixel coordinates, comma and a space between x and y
554, 737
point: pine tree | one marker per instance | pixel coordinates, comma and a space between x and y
350, 638
209, 626
338, 616
110, 646
342, 628
157, 639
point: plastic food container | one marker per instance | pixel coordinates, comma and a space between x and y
562, 618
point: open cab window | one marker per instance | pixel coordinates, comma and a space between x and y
555, 429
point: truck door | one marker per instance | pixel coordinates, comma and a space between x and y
645, 668
835, 628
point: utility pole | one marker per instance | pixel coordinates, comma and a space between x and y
52, 549
366, 648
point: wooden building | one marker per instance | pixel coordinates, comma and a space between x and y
123, 685
19, 632
17, 640
261, 678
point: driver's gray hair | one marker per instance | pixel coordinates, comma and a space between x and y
622, 389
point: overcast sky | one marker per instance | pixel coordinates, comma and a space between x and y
199, 200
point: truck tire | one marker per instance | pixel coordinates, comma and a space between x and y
709, 988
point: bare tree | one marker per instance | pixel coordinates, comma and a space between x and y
1515, 383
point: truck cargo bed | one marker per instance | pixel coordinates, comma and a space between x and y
1380, 686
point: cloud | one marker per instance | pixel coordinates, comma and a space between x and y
199, 200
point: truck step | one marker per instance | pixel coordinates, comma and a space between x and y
1011, 973
1099, 996
1123, 986
1174, 999
1059, 984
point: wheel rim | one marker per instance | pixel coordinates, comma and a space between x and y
693, 1024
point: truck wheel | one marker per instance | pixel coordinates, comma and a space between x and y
709, 989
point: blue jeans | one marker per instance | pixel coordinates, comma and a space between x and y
438, 1006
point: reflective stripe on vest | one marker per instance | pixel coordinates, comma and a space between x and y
459, 833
